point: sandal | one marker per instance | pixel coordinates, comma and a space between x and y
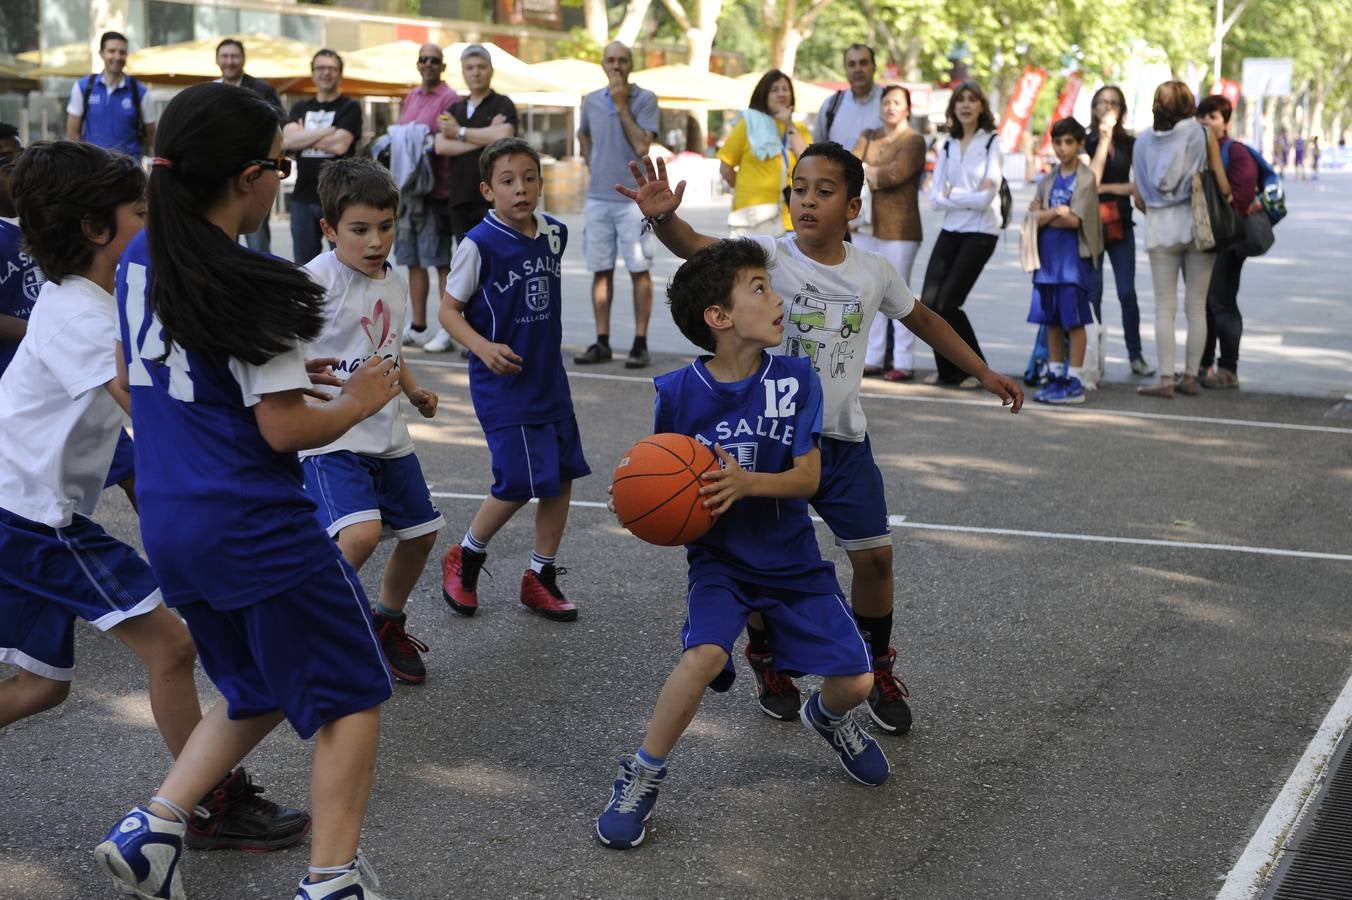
1187, 385
1221, 380
1163, 389
931, 379
970, 383
872, 371
898, 375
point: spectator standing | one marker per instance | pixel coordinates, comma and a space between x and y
472, 124
894, 164
1166, 157
112, 109
1224, 324
319, 129
966, 185
619, 124
758, 157
1299, 161
1109, 148
1281, 152
846, 114
1314, 159
425, 240
230, 60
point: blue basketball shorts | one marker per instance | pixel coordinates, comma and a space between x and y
310, 652
52, 576
809, 633
124, 461
532, 461
348, 488
851, 498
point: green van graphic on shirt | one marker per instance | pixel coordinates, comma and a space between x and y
822, 317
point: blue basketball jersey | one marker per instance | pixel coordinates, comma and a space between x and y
223, 516
20, 281
512, 291
763, 422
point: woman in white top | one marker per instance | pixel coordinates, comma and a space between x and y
1166, 157
966, 185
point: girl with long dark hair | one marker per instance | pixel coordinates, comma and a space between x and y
212, 336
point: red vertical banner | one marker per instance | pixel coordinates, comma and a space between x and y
1020, 108
1227, 89
1064, 107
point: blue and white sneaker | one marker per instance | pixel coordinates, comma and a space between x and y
141, 853
623, 823
859, 754
1066, 389
357, 881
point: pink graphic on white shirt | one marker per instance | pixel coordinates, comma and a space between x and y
380, 314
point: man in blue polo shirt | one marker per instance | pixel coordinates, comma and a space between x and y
112, 109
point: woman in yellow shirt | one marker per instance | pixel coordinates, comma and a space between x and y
759, 155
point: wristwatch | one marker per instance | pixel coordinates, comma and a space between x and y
461, 134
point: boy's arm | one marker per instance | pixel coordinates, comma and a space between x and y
658, 203
12, 328
500, 358
288, 423
120, 386
423, 400
933, 330
731, 483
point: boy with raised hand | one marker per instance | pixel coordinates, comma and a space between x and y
832, 289
761, 554
503, 303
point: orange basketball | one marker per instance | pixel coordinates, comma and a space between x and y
656, 489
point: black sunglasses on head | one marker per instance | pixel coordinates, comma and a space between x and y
423, 60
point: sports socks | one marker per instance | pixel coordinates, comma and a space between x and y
473, 544
417, 329
640, 343
1076, 372
829, 717
538, 562
757, 640
1056, 368
603, 340
877, 631
649, 762
383, 610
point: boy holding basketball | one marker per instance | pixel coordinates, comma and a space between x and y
831, 287
762, 415
503, 304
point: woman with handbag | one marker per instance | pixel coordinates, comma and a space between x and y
1224, 324
758, 157
966, 186
1109, 148
894, 163
1166, 158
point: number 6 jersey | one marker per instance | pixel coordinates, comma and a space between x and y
763, 422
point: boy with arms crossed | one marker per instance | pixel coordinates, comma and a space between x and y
832, 289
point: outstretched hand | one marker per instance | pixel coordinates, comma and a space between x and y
1004, 387
654, 195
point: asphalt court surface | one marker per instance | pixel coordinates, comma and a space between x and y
1093, 719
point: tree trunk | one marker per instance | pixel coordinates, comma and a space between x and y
594, 16
634, 16
791, 28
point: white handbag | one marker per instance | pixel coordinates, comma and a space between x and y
1029, 259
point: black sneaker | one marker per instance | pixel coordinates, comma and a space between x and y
401, 649
887, 701
637, 359
777, 695
594, 354
240, 819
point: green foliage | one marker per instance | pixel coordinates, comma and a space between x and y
580, 45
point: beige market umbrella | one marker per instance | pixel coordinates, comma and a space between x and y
65, 61
571, 76
394, 65
274, 59
680, 86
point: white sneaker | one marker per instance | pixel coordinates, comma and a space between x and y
416, 338
439, 342
357, 883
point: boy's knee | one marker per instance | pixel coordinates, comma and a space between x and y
40, 693
177, 653
423, 543
360, 540
707, 659
854, 689
874, 564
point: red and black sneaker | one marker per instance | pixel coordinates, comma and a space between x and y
240, 819
460, 570
777, 695
541, 593
887, 701
401, 649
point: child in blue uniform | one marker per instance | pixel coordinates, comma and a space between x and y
212, 337
762, 415
832, 289
504, 298
369, 483
1069, 239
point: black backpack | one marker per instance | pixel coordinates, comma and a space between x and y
1006, 198
88, 87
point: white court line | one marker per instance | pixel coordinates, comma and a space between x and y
901, 522
1247, 879
989, 404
